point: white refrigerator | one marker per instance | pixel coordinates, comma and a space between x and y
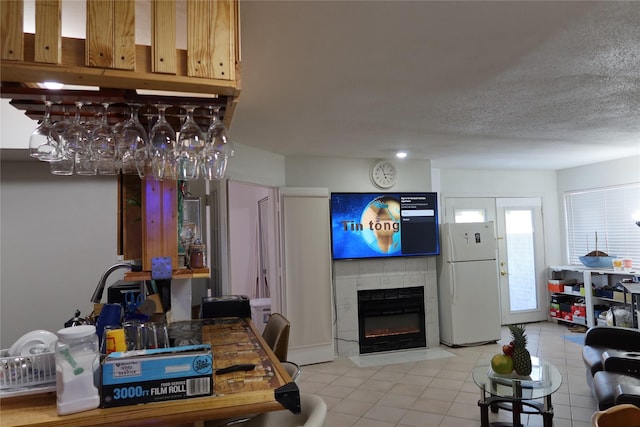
468, 293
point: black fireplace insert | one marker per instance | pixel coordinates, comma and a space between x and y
391, 319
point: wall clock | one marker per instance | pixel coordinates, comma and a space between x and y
383, 174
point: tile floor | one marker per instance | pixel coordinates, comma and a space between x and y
441, 392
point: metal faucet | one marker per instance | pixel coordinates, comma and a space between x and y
97, 294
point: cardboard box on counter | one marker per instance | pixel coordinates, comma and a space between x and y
144, 376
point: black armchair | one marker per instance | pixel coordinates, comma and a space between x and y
612, 359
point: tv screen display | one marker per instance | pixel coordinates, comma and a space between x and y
378, 225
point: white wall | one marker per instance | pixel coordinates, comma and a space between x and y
507, 183
58, 236
342, 174
15, 127
598, 175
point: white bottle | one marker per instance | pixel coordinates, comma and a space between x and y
77, 369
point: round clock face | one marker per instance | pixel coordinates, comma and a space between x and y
383, 174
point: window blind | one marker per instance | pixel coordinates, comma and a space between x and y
607, 212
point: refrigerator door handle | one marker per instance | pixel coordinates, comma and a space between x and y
452, 283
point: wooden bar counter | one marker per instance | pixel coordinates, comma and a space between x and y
233, 341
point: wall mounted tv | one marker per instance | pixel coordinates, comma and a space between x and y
379, 225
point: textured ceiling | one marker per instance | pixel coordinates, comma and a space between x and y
533, 85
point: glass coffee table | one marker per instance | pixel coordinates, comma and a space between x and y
516, 393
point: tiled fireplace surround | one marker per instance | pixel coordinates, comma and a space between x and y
351, 276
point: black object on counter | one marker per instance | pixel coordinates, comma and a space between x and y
76, 320
226, 306
236, 368
116, 293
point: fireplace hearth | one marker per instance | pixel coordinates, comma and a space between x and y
391, 319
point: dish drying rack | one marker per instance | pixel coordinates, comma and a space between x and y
22, 375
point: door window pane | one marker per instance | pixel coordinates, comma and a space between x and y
520, 253
470, 215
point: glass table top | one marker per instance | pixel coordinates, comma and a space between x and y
544, 380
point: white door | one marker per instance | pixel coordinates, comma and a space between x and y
522, 267
305, 286
520, 251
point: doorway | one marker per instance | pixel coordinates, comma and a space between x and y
519, 231
252, 247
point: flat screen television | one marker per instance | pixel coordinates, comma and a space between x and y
380, 225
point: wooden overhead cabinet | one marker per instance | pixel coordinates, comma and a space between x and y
109, 58
207, 74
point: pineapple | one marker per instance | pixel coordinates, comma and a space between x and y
521, 357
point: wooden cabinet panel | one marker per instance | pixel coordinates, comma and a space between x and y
48, 40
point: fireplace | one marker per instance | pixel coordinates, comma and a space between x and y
391, 319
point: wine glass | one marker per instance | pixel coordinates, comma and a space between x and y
79, 145
63, 161
44, 140
145, 154
162, 147
63, 164
132, 137
103, 143
190, 143
62, 125
91, 123
218, 148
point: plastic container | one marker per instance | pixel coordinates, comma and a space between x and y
26, 374
77, 369
260, 312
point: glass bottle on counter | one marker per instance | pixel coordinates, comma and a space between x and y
77, 369
197, 257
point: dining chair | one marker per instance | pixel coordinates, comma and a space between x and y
293, 369
626, 415
276, 335
313, 414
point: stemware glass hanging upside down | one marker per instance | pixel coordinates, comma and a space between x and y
104, 145
163, 147
63, 161
218, 148
79, 145
132, 137
190, 143
44, 140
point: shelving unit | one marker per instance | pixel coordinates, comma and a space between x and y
593, 278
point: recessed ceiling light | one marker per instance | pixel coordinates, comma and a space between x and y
401, 154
